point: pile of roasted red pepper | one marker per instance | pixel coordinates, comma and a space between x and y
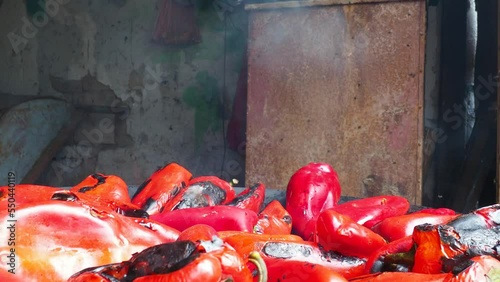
180, 228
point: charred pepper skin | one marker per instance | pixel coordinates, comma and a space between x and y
180, 261
162, 186
202, 191
311, 190
252, 198
381, 260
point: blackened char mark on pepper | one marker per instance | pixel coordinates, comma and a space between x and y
251, 198
150, 202
101, 179
131, 212
201, 194
64, 196
161, 259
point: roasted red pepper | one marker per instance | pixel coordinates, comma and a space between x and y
162, 186
252, 198
337, 232
281, 270
298, 250
202, 192
204, 268
369, 211
435, 244
274, 219
382, 260
397, 227
104, 187
180, 261
441, 211
26, 194
442, 248
480, 268
219, 217
402, 276
198, 232
311, 190
245, 243
482, 218
55, 238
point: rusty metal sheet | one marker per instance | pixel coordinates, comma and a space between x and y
310, 3
338, 84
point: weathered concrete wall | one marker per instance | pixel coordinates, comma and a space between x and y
163, 104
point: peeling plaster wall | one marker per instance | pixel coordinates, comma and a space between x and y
101, 53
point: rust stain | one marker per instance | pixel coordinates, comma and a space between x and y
337, 84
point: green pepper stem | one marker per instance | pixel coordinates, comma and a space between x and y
259, 263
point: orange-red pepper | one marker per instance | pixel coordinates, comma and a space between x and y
162, 186
104, 187
252, 198
274, 219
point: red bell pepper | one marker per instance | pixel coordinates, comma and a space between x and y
482, 218
274, 219
205, 268
377, 261
202, 192
56, 238
162, 186
298, 250
397, 227
369, 211
337, 232
252, 198
178, 261
435, 243
219, 217
311, 190
222, 184
480, 268
198, 232
442, 211
245, 243
402, 276
282, 270
104, 187
26, 194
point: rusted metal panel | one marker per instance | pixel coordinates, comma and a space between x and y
310, 3
338, 84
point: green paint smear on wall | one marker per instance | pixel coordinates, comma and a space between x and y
203, 97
